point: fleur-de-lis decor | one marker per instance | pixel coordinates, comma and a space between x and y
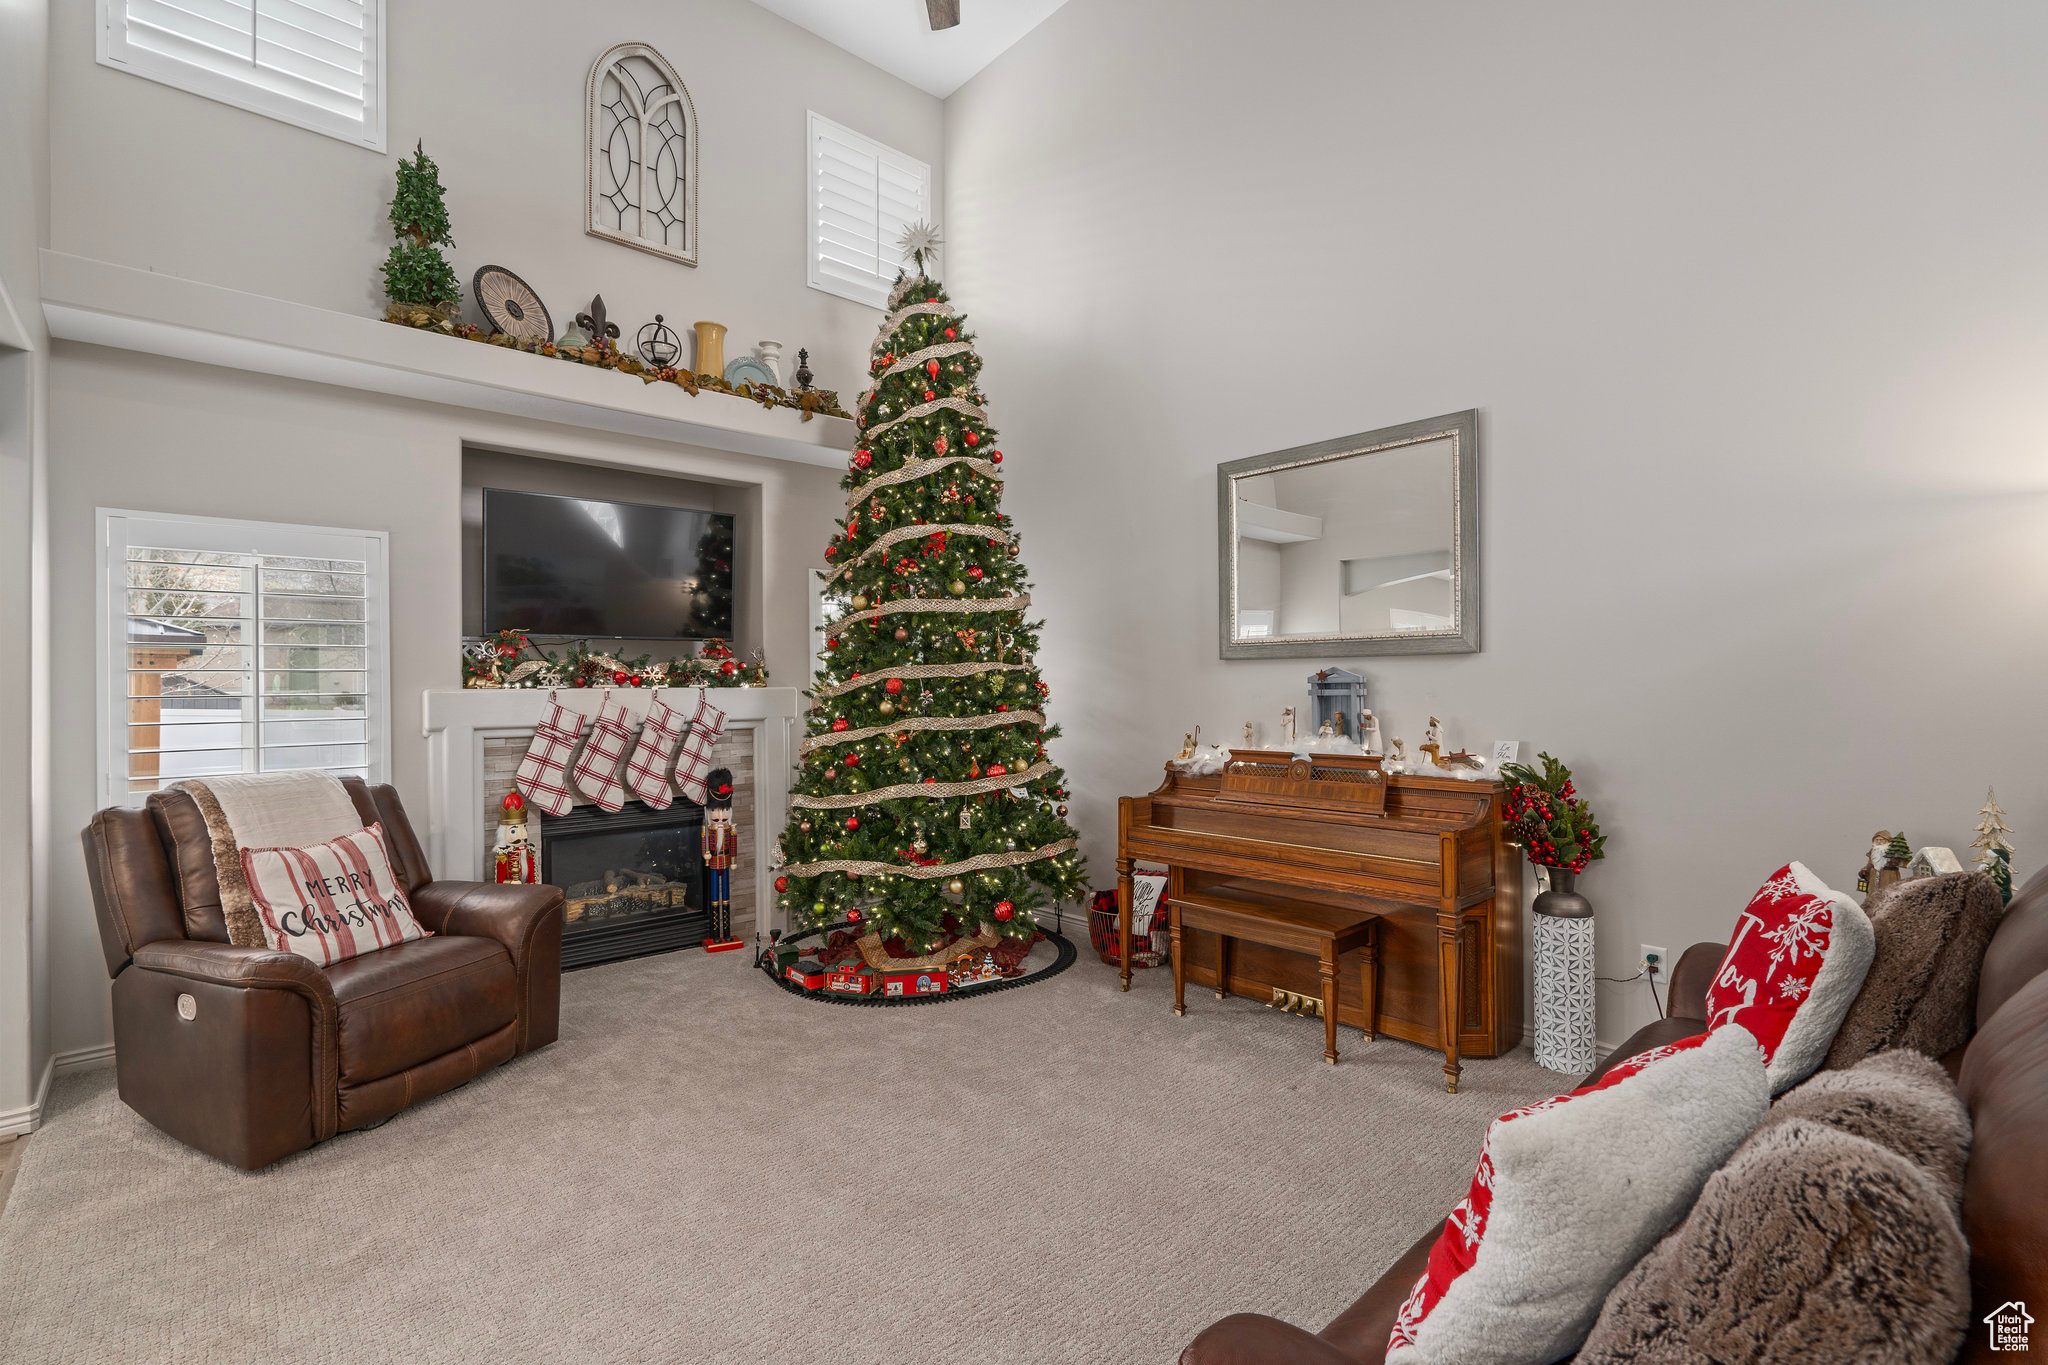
594, 322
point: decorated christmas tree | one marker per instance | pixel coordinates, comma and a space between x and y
925, 807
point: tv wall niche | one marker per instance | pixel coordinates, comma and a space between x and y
579, 551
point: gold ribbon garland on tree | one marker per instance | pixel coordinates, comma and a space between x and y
917, 469
963, 605
904, 791
985, 721
920, 532
966, 670
980, 862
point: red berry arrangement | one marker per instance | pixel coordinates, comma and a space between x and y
1548, 818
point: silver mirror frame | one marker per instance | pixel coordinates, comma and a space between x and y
1462, 429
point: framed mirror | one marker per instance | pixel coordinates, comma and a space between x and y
1367, 544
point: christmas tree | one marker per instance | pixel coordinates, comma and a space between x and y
415, 272
1898, 849
1991, 831
925, 807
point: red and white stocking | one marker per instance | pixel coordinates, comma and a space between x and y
542, 777
693, 761
596, 773
647, 770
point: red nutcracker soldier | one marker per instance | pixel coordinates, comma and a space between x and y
721, 843
513, 855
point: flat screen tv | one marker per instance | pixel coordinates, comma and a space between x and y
585, 569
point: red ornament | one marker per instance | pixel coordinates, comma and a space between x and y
838, 724
862, 459
853, 917
974, 572
637, 680
929, 395
851, 760
970, 438
938, 445
782, 883
619, 676
931, 298
996, 770
853, 822
1003, 910
949, 334
832, 642
995, 457
831, 550
931, 367
931, 779
893, 685
728, 668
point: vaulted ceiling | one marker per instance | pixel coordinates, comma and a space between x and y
896, 35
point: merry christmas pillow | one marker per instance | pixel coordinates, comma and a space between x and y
331, 901
1798, 958
1569, 1194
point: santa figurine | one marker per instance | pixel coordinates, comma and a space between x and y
720, 843
513, 856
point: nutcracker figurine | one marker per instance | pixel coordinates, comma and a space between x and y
720, 843
513, 855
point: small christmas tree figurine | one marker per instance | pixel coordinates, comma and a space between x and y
417, 278
1898, 850
1999, 868
1991, 832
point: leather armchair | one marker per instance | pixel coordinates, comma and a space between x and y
251, 1054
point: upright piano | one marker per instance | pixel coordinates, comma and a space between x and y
1426, 854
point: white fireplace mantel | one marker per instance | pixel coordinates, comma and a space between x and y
458, 721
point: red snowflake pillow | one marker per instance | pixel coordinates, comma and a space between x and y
1798, 958
1569, 1194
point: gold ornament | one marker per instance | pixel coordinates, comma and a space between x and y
831, 772
860, 603
902, 633
887, 708
956, 887
804, 825
956, 587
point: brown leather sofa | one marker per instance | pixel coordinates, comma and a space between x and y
2003, 1076
273, 1053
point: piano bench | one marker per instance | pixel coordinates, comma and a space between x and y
1325, 931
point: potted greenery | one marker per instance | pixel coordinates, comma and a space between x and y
1555, 828
418, 280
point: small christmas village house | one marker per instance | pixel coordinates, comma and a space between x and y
1932, 861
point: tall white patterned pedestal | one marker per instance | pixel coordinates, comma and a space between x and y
1564, 994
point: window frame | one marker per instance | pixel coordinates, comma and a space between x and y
115, 531
111, 49
876, 296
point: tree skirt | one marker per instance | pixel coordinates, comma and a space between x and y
1050, 956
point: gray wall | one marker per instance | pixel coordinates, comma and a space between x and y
24, 368
1753, 299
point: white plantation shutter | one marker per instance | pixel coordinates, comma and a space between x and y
238, 647
862, 196
315, 63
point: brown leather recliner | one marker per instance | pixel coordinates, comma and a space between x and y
2002, 1074
274, 1053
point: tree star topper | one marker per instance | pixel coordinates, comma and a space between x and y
917, 240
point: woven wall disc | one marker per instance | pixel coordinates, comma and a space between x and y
511, 305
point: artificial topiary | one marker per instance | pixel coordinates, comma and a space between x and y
415, 272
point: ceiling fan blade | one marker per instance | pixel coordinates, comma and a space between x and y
943, 13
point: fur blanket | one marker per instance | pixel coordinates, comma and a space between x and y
265, 810
1921, 992
1831, 1236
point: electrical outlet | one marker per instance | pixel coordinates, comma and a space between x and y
1653, 958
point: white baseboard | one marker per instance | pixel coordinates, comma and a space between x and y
29, 1117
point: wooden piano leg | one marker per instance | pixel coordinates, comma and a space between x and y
1328, 969
1450, 990
1180, 978
1123, 917
1222, 965
1369, 981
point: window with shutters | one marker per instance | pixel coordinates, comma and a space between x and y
315, 63
862, 196
239, 647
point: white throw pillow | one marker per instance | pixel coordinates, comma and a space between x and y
331, 901
1569, 1194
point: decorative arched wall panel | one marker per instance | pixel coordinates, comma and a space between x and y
642, 154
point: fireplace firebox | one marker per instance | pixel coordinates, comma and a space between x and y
632, 882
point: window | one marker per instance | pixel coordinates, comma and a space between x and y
238, 647
643, 154
862, 196
315, 63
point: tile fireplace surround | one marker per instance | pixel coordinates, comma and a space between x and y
475, 738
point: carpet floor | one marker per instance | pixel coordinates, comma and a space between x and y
706, 1169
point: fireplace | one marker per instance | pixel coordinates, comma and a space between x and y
632, 883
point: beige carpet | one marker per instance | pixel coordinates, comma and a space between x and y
706, 1169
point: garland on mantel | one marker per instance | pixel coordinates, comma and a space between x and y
510, 660
602, 354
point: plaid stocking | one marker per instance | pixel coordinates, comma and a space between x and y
541, 778
647, 770
596, 773
694, 759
